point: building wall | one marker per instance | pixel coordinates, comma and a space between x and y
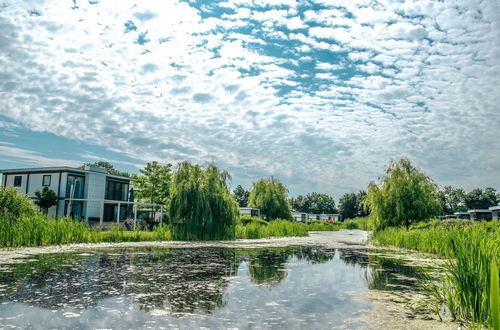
10, 182
95, 188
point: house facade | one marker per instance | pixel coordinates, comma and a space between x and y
250, 212
495, 212
89, 194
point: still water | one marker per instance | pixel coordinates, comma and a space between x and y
293, 288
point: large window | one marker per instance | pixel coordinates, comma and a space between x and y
116, 190
17, 181
74, 186
46, 180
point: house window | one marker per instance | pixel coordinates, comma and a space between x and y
116, 190
46, 180
17, 181
74, 186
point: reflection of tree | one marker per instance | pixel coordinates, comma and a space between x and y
314, 254
181, 280
268, 267
354, 257
392, 274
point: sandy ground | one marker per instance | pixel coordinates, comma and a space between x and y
391, 310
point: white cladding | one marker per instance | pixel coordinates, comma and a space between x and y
95, 186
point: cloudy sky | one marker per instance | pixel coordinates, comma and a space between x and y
320, 94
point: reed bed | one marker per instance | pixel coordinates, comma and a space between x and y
470, 249
275, 228
38, 230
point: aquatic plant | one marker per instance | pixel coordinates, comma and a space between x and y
470, 250
275, 228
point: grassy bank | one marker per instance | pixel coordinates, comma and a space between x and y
37, 230
470, 249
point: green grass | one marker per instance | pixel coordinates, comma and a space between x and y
37, 230
275, 228
325, 226
470, 249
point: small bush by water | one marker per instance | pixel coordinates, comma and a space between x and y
470, 249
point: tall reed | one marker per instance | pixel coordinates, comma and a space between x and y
469, 250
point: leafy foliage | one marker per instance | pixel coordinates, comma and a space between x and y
45, 198
271, 196
479, 199
201, 206
13, 204
404, 195
315, 203
154, 183
452, 200
351, 205
241, 196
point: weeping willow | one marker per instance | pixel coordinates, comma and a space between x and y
201, 205
271, 196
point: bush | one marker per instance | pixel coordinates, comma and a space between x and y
14, 205
246, 220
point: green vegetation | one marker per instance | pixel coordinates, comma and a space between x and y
38, 230
108, 166
45, 199
470, 249
154, 184
241, 196
315, 203
201, 206
271, 196
405, 195
317, 225
351, 205
275, 228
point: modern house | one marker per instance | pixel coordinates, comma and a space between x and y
325, 217
250, 212
300, 216
495, 210
89, 194
481, 214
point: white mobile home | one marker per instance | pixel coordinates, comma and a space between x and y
300, 216
90, 194
250, 212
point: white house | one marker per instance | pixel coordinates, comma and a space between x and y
325, 217
300, 216
250, 212
495, 210
91, 193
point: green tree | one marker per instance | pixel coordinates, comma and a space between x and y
361, 211
45, 199
271, 197
479, 199
314, 203
452, 199
241, 196
348, 206
403, 196
108, 166
201, 206
13, 204
153, 185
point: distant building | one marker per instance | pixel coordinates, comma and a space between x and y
250, 212
462, 215
89, 194
300, 216
481, 214
495, 212
325, 217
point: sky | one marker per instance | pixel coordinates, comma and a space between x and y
319, 94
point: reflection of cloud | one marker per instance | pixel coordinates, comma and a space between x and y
416, 79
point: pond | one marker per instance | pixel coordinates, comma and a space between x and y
292, 287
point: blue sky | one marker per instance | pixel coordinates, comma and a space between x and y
320, 94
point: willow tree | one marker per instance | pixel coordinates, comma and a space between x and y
403, 196
201, 205
271, 197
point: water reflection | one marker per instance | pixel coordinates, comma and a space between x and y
203, 281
